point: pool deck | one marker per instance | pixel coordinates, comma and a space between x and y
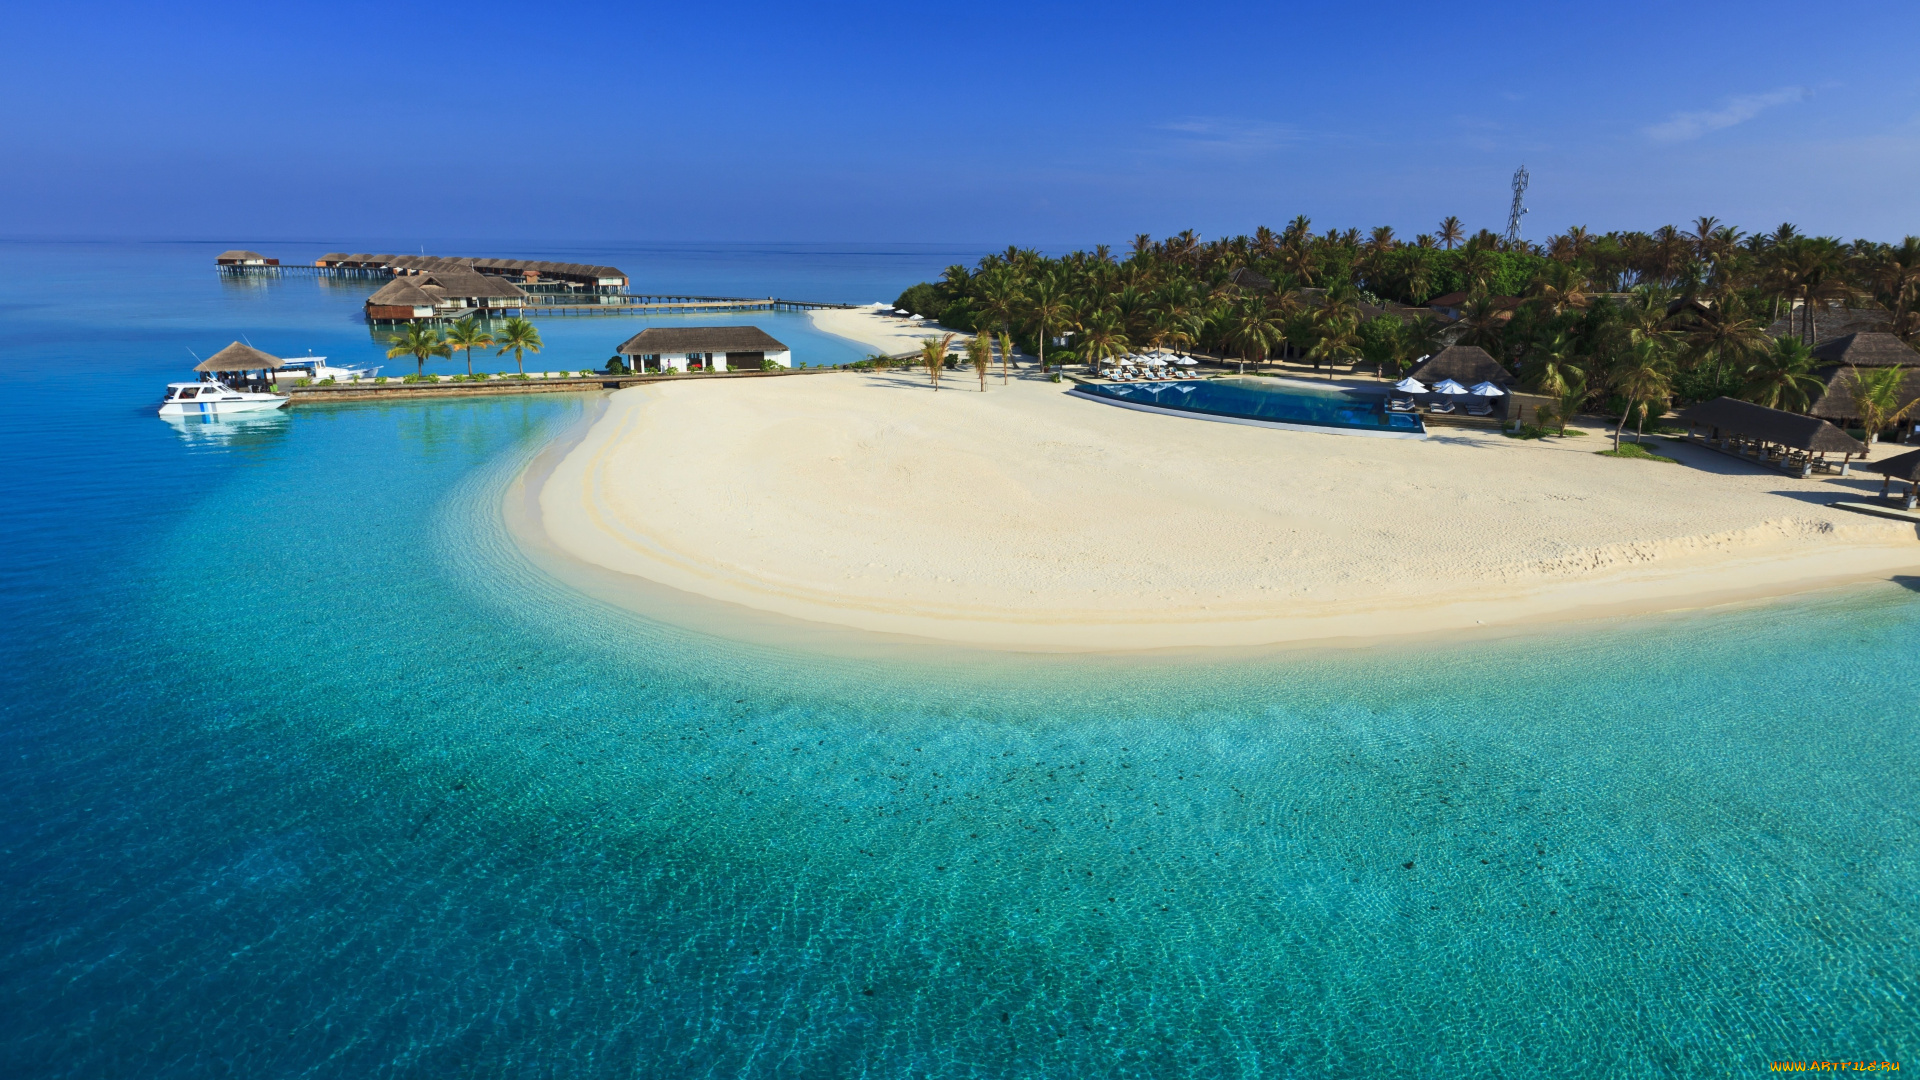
1082, 390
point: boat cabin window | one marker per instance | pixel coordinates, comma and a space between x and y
189, 392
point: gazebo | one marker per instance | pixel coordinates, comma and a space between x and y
1796, 443
1903, 467
242, 360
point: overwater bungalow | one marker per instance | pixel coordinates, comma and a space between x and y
446, 293
704, 348
536, 273
1792, 442
243, 258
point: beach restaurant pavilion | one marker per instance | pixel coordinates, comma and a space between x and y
236, 364
1836, 360
1904, 468
1798, 444
704, 348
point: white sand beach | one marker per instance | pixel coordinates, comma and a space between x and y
879, 333
1025, 518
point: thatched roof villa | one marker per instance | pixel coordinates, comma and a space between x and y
443, 292
238, 359
1467, 365
1867, 349
704, 348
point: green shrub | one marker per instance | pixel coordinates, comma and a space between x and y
1635, 450
303, 382
767, 365
380, 381
586, 373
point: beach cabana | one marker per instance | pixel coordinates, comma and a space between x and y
1796, 443
236, 364
1904, 468
1464, 364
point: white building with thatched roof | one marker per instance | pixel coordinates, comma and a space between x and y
704, 348
443, 293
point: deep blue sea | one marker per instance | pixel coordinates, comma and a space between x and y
308, 773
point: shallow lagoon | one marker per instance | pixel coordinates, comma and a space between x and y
312, 772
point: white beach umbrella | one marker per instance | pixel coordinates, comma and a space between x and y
879, 303
899, 311
1410, 385
1448, 386
1187, 361
1158, 361
1487, 389
916, 318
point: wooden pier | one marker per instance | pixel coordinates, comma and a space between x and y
576, 384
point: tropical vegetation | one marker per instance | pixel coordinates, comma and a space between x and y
1620, 322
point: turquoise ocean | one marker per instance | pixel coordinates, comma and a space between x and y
309, 773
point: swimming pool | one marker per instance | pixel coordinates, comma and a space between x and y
1262, 403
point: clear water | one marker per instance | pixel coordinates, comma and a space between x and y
1258, 399
308, 773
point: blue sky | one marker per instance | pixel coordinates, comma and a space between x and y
1051, 125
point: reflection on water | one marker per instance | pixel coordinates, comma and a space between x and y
237, 431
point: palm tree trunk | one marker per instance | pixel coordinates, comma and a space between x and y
1622, 426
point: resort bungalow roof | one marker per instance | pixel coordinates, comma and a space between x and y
472, 284
1744, 418
690, 339
1866, 349
1464, 364
1901, 467
1248, 278
1836, 401
402, 292
239, 357
238, 256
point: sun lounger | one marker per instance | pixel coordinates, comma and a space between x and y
1479, 408
1402, 405
1442, 406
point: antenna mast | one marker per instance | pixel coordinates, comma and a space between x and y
1519, 206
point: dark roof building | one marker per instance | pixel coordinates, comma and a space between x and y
243, 258
1866, 349
1467, 365
705, 348
1731, 417
1899, 467
1250, 279
703, 339
527, 270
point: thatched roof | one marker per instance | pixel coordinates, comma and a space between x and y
1836, 401
685, 339
472, 284
1248, 278
238, 256
1464, 364
1901, 467
239, 357
402, 292
1735, 417
1866, 349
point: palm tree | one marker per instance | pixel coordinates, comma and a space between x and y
1103, 333
419, 341
1876, 398
933, 352
1452, 232
519, 337
980, 352
466, 336
1727, 335
1339, 341
1006, 354
1782, 377
1254, 329
1047, 306
1642, 377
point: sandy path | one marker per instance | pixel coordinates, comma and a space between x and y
1022, 517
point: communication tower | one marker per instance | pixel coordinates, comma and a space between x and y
1519, 205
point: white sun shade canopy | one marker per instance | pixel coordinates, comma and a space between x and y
912, 317
1487, 389
1448, 386
1410, 385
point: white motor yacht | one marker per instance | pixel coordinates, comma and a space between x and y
317, 369
214, 399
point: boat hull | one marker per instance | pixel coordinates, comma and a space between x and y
221, 408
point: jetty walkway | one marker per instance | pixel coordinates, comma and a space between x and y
543, 383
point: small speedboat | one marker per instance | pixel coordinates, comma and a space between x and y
215, 399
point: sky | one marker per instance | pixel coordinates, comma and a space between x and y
1044, 125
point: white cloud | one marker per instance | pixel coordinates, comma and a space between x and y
1227, 137
1691, 125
